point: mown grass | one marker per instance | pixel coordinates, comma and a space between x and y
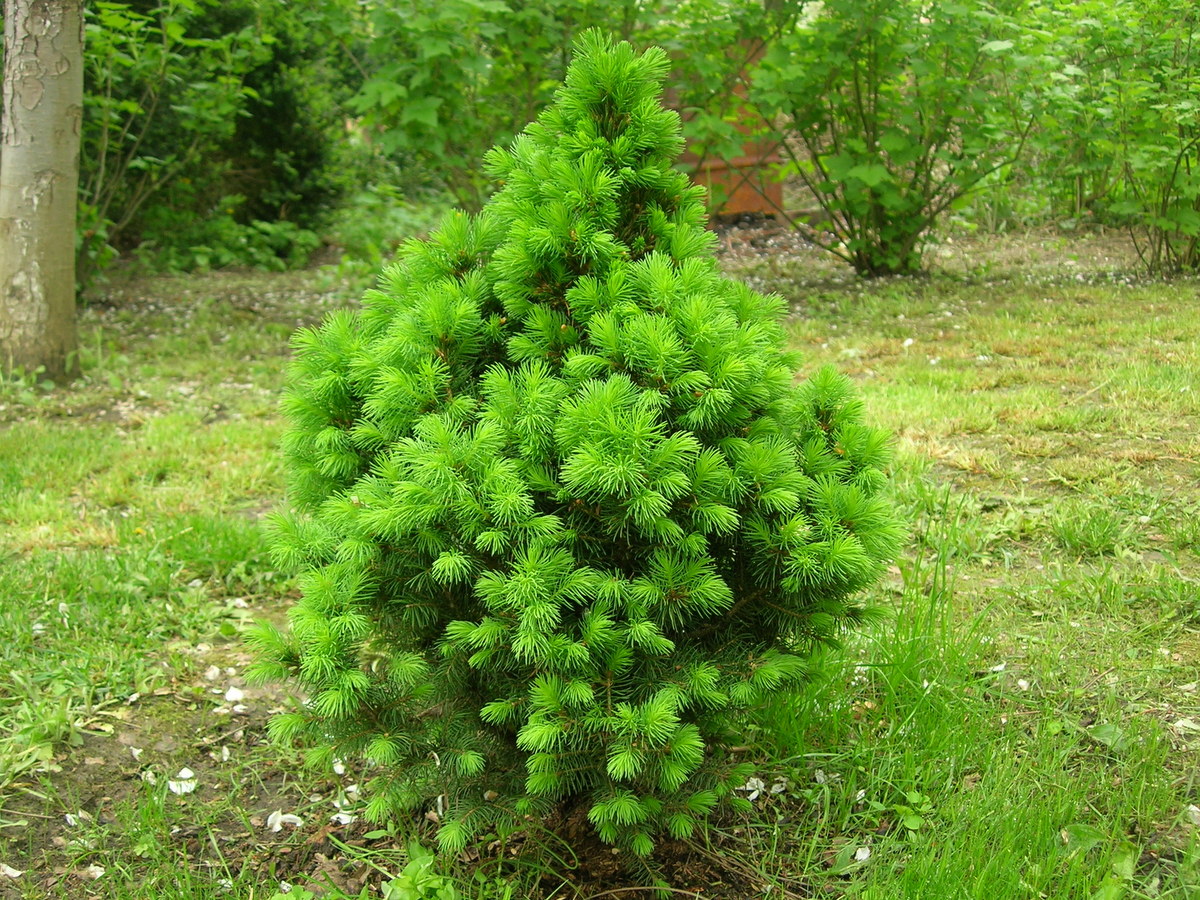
131, 559
1037, 687
1025, 725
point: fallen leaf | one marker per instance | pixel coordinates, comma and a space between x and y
754, 786
277, 819
1111, 736
183, 783
1080, 838
9, 872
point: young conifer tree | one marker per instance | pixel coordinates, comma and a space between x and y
562, 513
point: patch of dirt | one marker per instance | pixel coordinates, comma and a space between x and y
187, 774
298, 297
685, 866
1042, 254
110, 789
122, 792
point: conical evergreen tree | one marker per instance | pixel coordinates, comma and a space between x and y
561, 512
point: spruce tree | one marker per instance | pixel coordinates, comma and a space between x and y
561, 512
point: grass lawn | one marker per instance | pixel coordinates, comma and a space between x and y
1025, 725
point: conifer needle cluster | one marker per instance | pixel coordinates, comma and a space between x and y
561, 511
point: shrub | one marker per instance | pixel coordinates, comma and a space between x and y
443, 82
1148, 67
1119, 144
208, 132
562, 514
889, 113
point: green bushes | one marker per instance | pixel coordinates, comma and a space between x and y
1126, 124
889, 113
561, 513
208, 137
444, 82
223, 133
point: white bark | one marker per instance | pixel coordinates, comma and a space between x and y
39, 174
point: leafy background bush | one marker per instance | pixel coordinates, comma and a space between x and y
910, 109
249, 133
210, 135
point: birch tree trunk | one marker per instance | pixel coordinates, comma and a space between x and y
39, 174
